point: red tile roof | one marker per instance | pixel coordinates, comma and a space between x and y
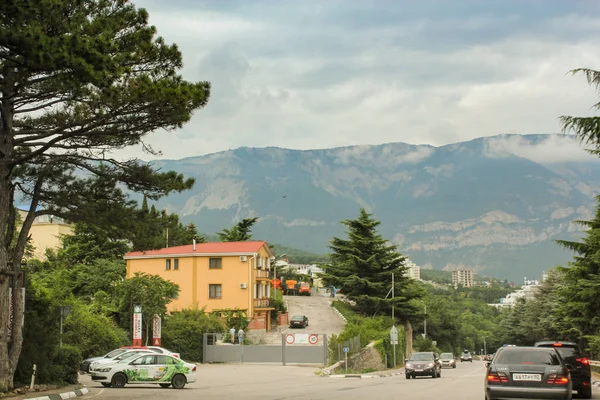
242, 248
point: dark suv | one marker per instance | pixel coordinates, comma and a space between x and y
580, 363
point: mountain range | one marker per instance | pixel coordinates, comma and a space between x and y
493, 204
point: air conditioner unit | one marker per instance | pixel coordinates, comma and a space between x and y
243, 286
243, 258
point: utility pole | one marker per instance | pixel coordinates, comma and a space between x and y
394, 321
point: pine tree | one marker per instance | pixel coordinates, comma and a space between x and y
579, 294
240, 232
362, 266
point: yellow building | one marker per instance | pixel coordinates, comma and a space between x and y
217, 275
46, 232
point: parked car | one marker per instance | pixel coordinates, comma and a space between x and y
159, 369
304, 289
424, 363
123, 357
299, 321
162, 350
466, 356
85, 364
527, 373
448, 360
580, 372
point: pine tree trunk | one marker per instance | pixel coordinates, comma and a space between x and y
10, 340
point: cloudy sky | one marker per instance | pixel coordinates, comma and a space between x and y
315, 74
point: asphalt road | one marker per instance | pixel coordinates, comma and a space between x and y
268, 382
321, 317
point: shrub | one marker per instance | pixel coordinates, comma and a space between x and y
183, 332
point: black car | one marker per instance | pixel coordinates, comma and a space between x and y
299, 321
527, 373
580, 373
424, 363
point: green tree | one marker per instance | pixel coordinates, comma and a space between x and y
151, 292
240, 232
362, 266
579, 293
183, 332
78, 79
156, 230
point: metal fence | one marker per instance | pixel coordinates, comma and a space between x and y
350, 346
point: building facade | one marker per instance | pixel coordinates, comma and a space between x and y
46, 232
412, 270
463, 277
217, 276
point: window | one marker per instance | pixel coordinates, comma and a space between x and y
215, 263
167, 264
214, 291
176, 264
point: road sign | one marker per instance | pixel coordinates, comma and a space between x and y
313, 339
346, 349
394, 335
289, 338
434, 342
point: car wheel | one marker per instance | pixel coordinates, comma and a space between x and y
105, 384
434, 374
178, 381
407, 376
164, 385
118, 380
585, 392
454, 366
440, 373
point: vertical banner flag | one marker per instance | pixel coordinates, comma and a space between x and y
137, 325
156, 324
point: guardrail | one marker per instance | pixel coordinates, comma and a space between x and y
595, 363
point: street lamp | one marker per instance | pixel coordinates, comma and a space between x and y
425, 321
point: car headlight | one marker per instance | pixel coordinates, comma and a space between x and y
409, 365
105, 369
430, 365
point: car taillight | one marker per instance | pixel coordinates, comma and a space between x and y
583, 360
194, 369
497, 377
554, 379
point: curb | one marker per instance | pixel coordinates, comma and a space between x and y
62, 396
365, 376
338, 312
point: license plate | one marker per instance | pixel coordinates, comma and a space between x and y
527, 377
418, 370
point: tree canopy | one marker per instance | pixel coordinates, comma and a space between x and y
240, 232
362, 266
78, 80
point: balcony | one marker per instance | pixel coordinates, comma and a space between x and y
262, 275
266, 303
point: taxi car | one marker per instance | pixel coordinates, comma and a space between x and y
160, 369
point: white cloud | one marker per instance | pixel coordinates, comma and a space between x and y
554, 149
311, 75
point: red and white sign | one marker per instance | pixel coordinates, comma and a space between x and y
137, 326
289, 338
156, 325
313, 339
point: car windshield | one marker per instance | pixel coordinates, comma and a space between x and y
532, 357
298, 317
115, 353
446, 356
127, 356
421, 357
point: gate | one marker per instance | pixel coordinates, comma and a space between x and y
295, 348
